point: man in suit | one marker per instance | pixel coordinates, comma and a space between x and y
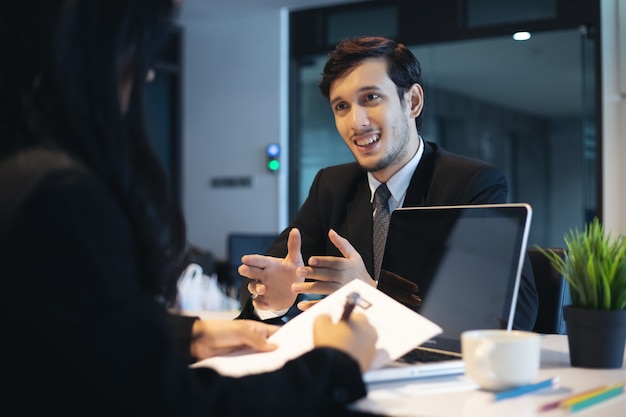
375, 90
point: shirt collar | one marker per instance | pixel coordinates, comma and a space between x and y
398, 184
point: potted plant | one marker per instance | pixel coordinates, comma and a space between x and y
594, 266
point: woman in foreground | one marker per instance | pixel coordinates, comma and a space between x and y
90, 240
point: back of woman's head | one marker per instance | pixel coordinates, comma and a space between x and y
64, 62
63, 67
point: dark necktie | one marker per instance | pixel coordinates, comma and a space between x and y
381, 223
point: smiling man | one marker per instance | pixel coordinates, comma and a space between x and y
374, 87
373, 121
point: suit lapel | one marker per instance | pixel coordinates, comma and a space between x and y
359, 221
359, 215
422, 178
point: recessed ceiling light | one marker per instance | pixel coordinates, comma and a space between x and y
521, 36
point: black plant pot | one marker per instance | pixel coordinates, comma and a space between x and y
596, 338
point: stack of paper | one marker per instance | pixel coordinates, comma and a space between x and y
399, 328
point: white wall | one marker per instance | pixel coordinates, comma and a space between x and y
614, 113
231, 112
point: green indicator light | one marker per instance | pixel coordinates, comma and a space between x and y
273, 165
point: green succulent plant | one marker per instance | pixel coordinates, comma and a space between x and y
594, 266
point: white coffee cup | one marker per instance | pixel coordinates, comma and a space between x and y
501, 359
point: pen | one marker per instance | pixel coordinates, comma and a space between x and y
581, 396
516, 392
351, 301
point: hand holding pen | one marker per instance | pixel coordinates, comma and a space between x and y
351, 301
352, 334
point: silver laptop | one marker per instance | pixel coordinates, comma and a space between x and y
467, 262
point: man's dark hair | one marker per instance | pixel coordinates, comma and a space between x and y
403, 67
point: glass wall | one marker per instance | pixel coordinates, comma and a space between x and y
163, 111
527, 107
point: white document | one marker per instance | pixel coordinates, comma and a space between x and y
399, 328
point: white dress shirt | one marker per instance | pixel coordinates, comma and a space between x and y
398, 184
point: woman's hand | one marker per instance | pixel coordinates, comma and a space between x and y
355, 336
216, 337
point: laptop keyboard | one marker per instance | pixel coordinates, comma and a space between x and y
421, 355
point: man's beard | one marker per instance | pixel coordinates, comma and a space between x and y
397, 152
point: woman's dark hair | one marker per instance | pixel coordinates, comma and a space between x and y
62, 63
403, 67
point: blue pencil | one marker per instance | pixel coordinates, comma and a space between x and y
516, 392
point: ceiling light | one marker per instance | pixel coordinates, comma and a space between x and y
521, 36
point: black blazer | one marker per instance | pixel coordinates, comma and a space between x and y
80, 331
339, 198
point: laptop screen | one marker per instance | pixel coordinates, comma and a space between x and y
466, 261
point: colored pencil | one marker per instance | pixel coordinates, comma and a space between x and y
516, 392
581, 396
598, 398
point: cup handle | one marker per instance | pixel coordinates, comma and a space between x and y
483, 354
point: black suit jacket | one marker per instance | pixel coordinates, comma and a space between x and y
70, 267
339, 199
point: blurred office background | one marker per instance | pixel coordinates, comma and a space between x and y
241, 75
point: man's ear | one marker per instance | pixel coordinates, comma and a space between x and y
416, 99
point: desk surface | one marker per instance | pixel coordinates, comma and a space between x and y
458, 397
